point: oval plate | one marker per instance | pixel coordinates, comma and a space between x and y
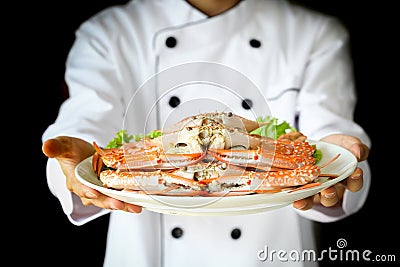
226, 205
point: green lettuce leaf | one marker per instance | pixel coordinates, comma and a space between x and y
317, 154
123, 137
274, 129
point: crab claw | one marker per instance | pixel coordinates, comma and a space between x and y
97, 163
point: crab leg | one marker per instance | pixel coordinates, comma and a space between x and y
303, 176
259, 157
145, 181
287, 147
117, 157
144, 158
132, 180
216, 178
263, 182
267, 181
160, 161
286, 178
253, 181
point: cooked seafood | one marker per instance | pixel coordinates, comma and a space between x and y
206, 155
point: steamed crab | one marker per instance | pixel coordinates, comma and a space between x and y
208, 154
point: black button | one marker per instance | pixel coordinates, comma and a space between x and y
174, 101
171, 42
177, 232
235, 234
255, 43
247, 104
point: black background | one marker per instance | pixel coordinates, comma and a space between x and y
37, 38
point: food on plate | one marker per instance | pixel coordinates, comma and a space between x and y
209, 154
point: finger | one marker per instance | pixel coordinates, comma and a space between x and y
84, 191
361, 151
103, 202
90, 197
115, 204
112, 204
352, 143
304, 204
329, 197
355, 181
76, 187
339, 190
53, 148
67, 147
133, 208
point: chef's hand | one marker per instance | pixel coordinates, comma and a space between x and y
333, 195
69, 151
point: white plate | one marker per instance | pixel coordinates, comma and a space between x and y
228, 205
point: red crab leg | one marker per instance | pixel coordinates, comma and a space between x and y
287, 147
173, 161
266, 181
145, 181
143, 158
259, 157
161, 161
288, 178
139, 155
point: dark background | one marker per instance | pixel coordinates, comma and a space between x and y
37, 49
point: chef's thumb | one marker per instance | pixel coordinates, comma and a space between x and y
57, 147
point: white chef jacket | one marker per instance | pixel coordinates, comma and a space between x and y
260, 57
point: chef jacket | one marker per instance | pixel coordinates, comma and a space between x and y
146, 64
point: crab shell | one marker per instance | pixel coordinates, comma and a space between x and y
197, 133
227, 119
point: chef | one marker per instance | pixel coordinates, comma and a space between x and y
146, 64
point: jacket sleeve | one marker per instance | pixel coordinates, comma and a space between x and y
72, 206
328, 90
93, 111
